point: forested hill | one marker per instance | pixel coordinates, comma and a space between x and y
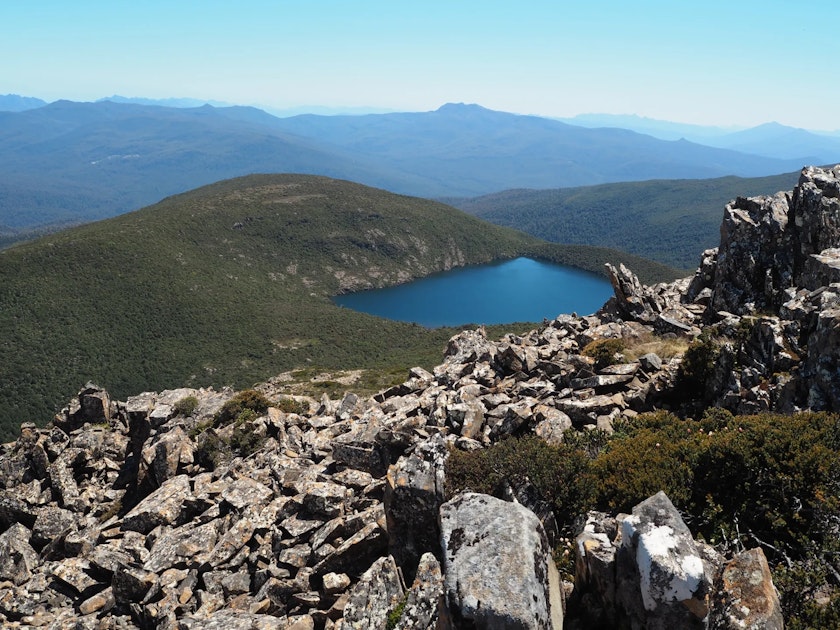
670, 221
230, 284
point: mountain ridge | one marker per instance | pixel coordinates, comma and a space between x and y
663, 220
114, 157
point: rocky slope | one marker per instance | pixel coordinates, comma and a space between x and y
199, 508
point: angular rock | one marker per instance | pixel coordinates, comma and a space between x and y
245, 492
674, 579
744, 595
374, 596
17, 558
75, 572
132, 584
496, 564
181, 547
100, 602
414, 493
325, 499
50, 523
424, 602
356, 552
165, 506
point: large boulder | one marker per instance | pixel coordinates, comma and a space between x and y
643, 570
497, 565
767, 244
17, 558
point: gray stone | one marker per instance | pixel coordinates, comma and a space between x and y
182, 547
358, 551
376, 594
496, 564
51, 522
414, 492
132, 584
17, 558
424, 602
165, 506
673, 576
650, 362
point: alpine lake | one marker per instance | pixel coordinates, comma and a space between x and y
518, 290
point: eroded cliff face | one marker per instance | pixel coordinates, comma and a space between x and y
333, 513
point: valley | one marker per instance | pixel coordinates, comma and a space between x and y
230, 284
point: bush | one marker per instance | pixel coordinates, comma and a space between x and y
559, 473
186, 405
291, 405
767, 480
604, 351
776, 477
212, 450
698, 366
247, 399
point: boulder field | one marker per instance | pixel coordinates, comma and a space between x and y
162, 512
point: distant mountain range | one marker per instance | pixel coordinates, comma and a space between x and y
770, 139
72, 162
17, 103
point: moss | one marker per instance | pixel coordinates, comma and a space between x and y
396, 614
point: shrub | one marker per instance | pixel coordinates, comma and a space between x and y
767, 480
604, 351
247, 399
291, 405
698, 366
774, 476
212, 450
244, 440
186, 405
199, 428
557, 472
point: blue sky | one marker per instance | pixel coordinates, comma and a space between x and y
732, 62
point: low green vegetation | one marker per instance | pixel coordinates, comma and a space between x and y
186, 405
396, 614
230, 433
604, 351
740, 481
670, 221
243, 406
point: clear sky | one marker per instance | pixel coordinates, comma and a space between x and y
723, 62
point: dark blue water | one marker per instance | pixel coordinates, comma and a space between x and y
520, 290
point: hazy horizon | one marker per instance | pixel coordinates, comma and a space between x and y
725, 64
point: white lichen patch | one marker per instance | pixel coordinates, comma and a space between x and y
666, 575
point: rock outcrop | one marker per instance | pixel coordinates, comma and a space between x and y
141, 513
